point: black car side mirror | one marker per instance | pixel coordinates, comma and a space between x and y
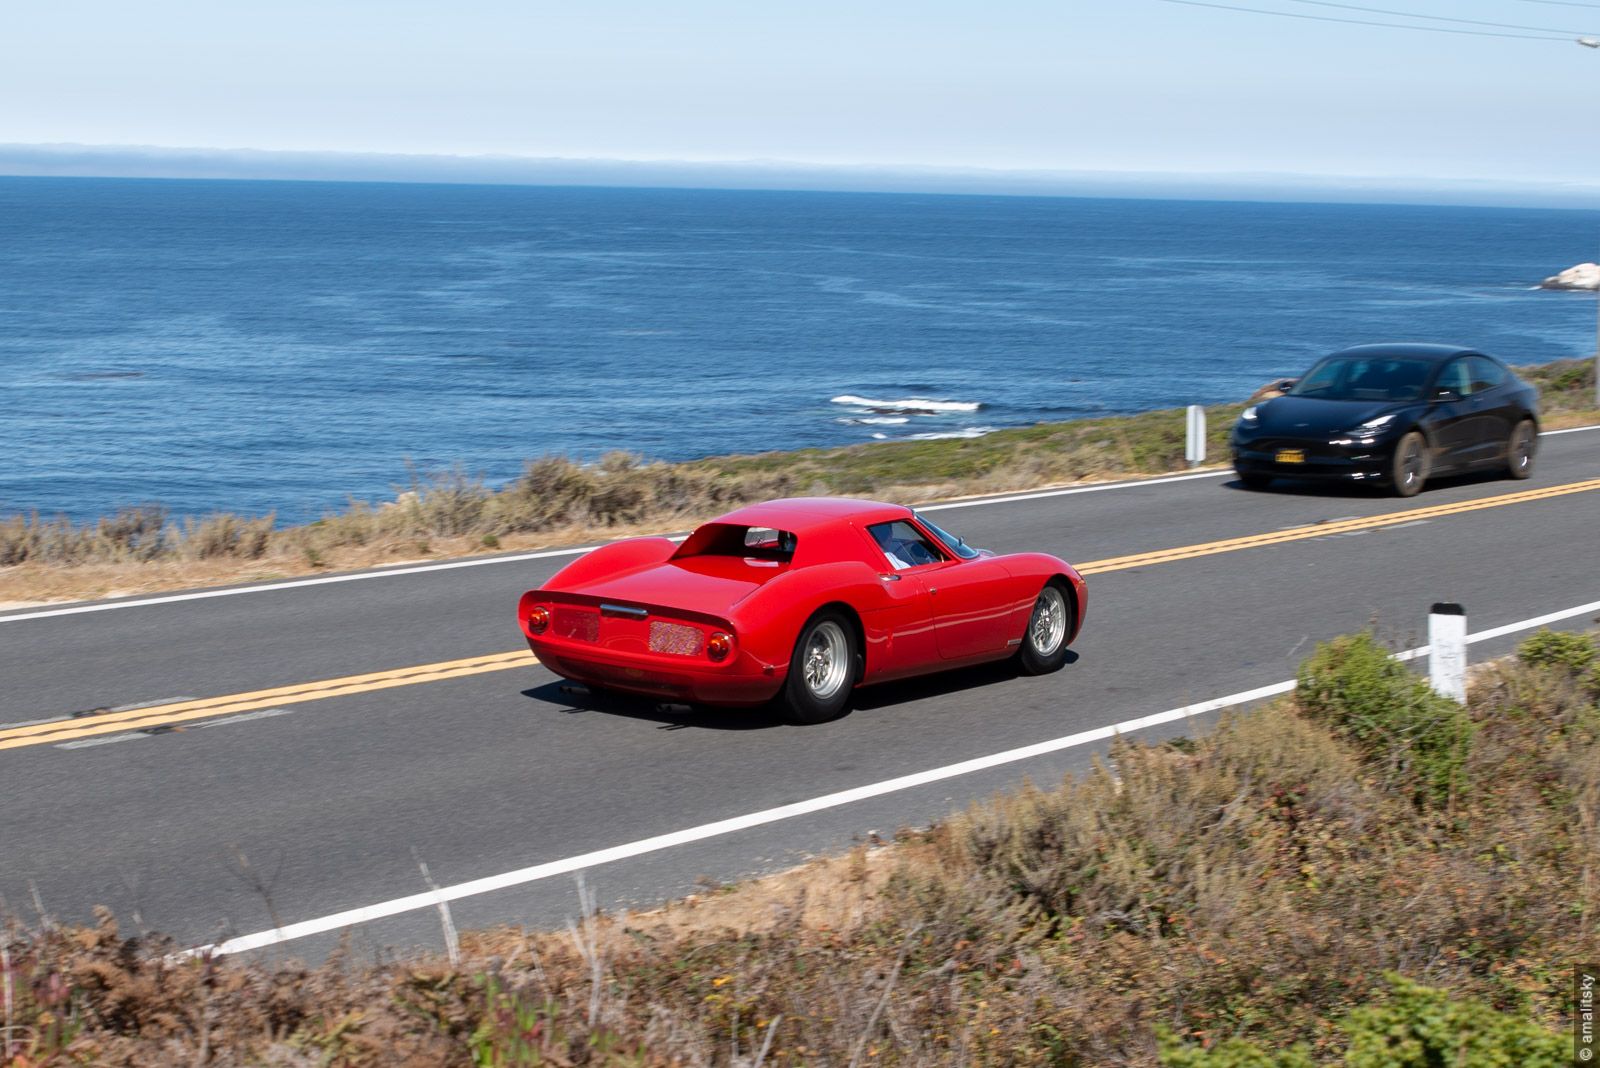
1446, 393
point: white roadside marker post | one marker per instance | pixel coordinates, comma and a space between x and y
1194, 449
1447, 659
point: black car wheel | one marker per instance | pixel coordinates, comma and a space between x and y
1520, 450
822, 671
1044, 646
1408, 470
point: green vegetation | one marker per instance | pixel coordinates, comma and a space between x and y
1556, 648
1283, 891
1412, 1026
1419, 739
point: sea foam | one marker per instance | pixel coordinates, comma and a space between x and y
908, 406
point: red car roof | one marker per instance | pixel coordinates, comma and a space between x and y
799, 514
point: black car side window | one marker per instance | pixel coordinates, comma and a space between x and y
1455, 376
1485, 374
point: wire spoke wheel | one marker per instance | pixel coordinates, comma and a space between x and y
826, 661
1048, 628
1043, 648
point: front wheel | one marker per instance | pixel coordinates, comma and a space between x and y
1408, 470
822, 671
1520, 449
1044, 646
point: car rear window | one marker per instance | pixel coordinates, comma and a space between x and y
759, 543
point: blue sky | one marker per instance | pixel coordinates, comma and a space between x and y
1118, 85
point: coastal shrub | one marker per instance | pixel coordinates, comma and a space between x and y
30, 539
137, 533
621, 490
1416, 738
1412, 1026
1570, 652
1230, 1053
227, 535
1419, 1027
445, 503
19, 537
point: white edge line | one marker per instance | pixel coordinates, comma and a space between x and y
1041, 494
202, 595
382, 909
86, 743
237, 591
1568, 430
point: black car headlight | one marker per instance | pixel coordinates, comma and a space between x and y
1367, 433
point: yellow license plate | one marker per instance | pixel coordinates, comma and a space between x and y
1291, 456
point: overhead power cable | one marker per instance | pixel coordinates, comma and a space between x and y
1369, 22
1437, 18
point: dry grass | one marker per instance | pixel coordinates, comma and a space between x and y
558, 502
1259, 885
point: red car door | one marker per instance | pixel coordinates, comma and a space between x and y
900, 633
971, 609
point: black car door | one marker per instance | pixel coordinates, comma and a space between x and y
1449, 417
1492, 401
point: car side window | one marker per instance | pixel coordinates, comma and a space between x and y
1484, 374
904, 545
1455, 376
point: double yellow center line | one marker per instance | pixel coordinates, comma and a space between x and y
1322, 530
140, 719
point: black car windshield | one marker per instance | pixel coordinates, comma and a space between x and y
1365, 378
955, 544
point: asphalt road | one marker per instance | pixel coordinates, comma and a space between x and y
311, 805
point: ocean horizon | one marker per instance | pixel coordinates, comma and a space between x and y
286, 346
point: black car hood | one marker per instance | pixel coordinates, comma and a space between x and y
1312, 415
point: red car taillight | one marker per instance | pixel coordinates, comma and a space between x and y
538, 619
719, 645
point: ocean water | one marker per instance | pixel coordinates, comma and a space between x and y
285, 346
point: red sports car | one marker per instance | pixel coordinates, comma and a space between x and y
801, 600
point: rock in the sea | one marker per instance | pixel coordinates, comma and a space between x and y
1583, 276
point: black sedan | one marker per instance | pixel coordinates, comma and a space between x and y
1392, 415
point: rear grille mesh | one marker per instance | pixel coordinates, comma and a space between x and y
676, 639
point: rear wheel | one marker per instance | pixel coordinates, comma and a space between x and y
1520, 450
822, 671
1044, 646
1408, 470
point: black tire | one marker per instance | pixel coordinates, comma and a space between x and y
1044, 643
822, 671
1408, 467
1520, 449
1253, 480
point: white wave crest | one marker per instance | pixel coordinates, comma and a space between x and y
965, 432
908, 406
876, 420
